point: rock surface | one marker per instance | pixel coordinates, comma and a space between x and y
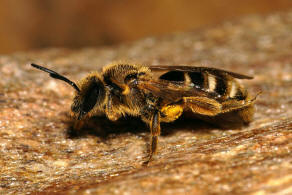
39, 152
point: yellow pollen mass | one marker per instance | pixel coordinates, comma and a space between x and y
172, 112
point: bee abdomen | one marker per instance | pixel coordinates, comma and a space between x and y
224, 86
235, 90
173, 76
197, 78
209, 82
217, 85
221, 86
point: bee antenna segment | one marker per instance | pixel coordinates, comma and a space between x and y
56, 75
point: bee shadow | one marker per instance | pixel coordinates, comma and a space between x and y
105, 129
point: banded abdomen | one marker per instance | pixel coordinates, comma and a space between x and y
217, 85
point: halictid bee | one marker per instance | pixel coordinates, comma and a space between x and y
160, 94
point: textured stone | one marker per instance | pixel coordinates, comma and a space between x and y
39, 152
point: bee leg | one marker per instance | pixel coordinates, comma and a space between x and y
247, 114
111, 115
231, 105
78, 124
155, 132
203, 105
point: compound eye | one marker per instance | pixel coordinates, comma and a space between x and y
129, 78
90, 98
92, 95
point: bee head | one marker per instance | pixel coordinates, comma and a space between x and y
91, 94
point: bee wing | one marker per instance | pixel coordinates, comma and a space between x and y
204, 81
170, 92
216, 82
214, 71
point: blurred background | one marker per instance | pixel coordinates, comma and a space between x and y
34, 24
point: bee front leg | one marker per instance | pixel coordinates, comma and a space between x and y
155, 132
111, 115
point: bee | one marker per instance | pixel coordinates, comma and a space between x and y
159, 94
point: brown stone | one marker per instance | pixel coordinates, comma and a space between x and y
39, 152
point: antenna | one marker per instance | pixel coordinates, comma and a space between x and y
56, 75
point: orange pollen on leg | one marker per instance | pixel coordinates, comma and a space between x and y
172, 112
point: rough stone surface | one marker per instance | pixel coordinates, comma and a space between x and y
39, 152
